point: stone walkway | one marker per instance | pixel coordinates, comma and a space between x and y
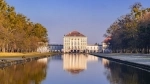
139, 59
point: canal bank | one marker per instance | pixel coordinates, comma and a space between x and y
140, 61
32, 54
6, 61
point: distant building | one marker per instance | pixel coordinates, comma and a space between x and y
56, 47
75, 42
105, 45
94, 48
43, 47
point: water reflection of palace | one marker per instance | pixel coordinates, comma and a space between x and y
92, 58
105, 62
44, 60
75, 63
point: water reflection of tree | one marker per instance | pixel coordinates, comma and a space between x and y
121, 74
30, 73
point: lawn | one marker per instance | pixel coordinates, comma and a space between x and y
23, 54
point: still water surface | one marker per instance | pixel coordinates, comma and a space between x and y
73, 69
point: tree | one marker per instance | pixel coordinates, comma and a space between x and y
17, 32
130, 33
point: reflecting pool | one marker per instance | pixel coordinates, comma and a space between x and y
73, 69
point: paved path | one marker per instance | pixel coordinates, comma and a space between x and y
138, 60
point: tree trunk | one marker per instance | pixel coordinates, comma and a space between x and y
3, 48
143, 50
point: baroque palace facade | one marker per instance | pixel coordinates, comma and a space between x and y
76, 42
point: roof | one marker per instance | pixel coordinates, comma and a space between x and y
107, 39
75, 33
94, 45
75, 71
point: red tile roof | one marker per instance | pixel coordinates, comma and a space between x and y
75, 71
75, 33
107, 39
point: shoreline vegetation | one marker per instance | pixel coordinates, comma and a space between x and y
130, 33
17, 33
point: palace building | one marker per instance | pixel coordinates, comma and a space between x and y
75, 42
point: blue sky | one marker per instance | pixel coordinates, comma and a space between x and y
90, 17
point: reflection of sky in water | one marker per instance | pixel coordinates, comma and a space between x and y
73, 69
92, 70
88, 69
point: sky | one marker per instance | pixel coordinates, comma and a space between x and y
89, 17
